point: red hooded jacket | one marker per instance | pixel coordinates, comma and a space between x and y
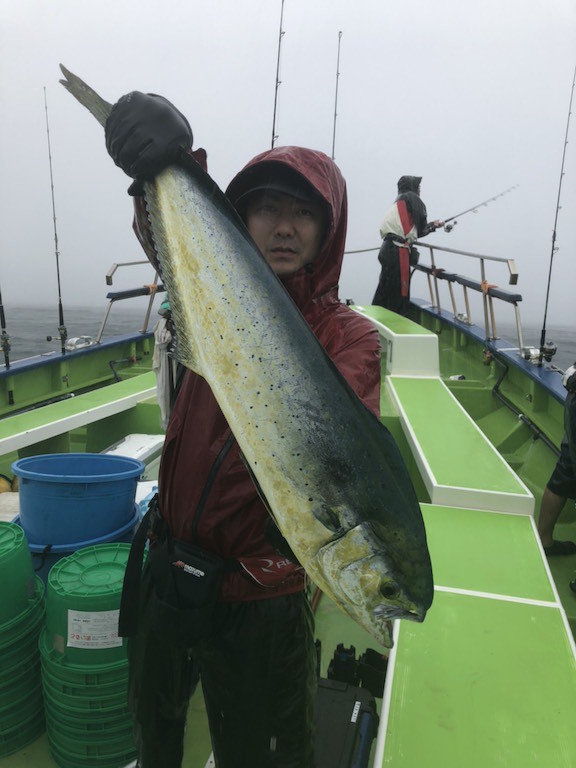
232, 519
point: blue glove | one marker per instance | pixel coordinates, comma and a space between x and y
144, 134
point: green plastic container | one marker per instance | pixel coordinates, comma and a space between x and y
67, 759
104, 750
117, 687
27, 622
16, 572
25, 705
80, 674
85, 732
24, 678
18, 655
78, 705
119, 720
59, 709
14, 739
83, 603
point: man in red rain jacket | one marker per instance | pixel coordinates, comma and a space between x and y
258, 664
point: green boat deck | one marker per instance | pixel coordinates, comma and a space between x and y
489, 678
484, 682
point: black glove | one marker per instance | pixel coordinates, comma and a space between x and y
144, 133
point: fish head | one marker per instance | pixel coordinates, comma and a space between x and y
374, 580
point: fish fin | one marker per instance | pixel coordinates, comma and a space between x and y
328, 517
185, 353
87, 96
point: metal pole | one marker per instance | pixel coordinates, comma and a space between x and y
554, 249
484, 300
4, 338
336, 96
61, 328
278, 81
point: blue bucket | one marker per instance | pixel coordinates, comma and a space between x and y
75, 496
44, 557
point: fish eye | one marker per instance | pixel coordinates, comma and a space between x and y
389, 590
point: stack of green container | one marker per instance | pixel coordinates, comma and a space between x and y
84, 663
21, 619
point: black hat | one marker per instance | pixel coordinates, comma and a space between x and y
270, 176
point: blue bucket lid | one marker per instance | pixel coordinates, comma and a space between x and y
78, 467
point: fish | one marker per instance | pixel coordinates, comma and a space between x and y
328, 470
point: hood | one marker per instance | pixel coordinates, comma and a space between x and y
318, 280
409, 184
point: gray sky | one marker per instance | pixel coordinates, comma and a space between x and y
473, 96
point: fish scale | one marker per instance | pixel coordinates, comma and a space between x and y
328, 470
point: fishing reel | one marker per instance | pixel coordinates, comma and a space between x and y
4, 342
548, 351
62, 335
450, 227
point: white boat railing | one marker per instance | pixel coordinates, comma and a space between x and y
489, 292
150, 290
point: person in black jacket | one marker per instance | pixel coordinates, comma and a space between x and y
403, 223
562, 483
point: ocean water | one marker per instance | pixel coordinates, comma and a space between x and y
28, 328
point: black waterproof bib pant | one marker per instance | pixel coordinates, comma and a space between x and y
388, 293
258, 675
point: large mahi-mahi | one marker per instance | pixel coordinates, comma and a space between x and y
330, 472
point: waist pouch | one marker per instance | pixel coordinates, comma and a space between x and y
186, 583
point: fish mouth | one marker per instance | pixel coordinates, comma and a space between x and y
391, 612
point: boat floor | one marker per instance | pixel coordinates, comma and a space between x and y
487, 679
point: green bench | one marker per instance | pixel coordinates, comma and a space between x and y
409, 349
458, 464
35, 426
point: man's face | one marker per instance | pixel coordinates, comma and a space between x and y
287, 230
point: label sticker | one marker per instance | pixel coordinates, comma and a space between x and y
93, 629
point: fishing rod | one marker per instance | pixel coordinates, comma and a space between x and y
62, 332
4, 338
336, 96
543, 348
474, 209
449, 227
278, 81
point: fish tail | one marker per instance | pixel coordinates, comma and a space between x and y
86, 95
